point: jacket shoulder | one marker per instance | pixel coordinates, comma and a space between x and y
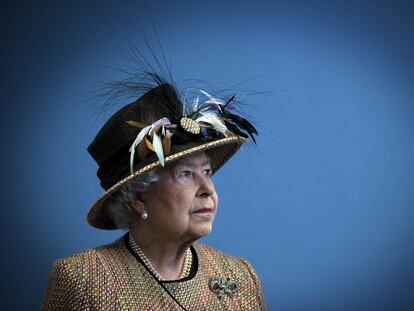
217, 256
90, 256
71, 278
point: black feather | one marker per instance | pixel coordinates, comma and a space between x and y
234, 128
241, 123
228, 102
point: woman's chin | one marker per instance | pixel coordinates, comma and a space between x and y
201, 229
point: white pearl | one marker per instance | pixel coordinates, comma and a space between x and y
185, 269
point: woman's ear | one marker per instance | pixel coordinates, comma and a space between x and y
138, 204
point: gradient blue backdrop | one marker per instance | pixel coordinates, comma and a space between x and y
323, 208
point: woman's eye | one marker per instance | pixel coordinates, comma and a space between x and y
185, 173
208, 172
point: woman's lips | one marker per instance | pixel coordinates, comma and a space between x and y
204, 211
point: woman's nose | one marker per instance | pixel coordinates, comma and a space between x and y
206, 186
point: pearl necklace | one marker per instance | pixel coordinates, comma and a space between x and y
187, 260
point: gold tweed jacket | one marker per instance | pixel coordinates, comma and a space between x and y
112, 277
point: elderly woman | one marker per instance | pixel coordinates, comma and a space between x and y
156, 157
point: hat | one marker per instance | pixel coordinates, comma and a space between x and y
159, 128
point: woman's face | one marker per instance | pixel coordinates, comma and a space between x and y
183, 203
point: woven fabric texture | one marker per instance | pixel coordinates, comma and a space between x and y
111, 278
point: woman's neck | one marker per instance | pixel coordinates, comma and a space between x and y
166, 257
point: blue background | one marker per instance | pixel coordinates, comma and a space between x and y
322, 208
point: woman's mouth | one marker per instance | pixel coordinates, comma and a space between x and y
204, 210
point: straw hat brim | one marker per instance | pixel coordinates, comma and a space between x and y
219, 151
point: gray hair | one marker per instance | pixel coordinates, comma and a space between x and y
119, 205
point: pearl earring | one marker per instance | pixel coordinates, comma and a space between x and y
144, 215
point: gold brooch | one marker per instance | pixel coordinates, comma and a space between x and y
223, 286
190, 126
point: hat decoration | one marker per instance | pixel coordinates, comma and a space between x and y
208, 119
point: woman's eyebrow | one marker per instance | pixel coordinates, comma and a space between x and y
195, 164
207, 163
191, 165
